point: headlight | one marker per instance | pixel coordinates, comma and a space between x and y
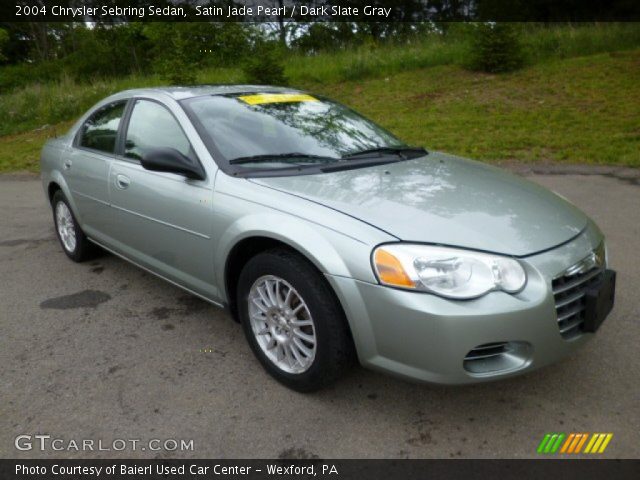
448, 272
602, 255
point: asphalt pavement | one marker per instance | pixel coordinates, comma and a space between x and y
105, 351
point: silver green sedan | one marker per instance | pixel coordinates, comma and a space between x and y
328, 238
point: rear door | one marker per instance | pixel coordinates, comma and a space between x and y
86, 167
162, 220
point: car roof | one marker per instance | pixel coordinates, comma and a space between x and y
182, 92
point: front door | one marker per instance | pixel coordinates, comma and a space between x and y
162, 221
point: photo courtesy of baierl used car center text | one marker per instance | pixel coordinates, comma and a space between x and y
302, 239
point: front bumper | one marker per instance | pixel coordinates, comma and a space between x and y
425, 337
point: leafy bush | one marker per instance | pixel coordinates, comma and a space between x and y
24, 74
180, 51
265, 66
495, 48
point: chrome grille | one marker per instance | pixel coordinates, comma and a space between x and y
569, 293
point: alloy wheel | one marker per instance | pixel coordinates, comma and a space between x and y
282, 324
66, 226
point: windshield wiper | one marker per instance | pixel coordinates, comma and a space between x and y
400, 151
358, 163
270, 157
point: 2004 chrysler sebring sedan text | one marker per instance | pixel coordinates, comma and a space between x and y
327, 237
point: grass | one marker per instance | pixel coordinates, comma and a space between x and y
37, 104
576, 101
21, 152
370, 61
578, 110
40, 105
540, 44
566, 41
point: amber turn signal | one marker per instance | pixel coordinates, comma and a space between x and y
390, 271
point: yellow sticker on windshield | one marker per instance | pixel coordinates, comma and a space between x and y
261, 98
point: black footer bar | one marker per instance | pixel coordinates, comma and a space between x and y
66, 469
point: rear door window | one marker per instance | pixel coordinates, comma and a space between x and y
101, 130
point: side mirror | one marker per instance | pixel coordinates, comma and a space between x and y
171, 160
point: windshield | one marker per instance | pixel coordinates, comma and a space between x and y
281, 130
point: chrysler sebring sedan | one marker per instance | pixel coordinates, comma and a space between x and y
328, 238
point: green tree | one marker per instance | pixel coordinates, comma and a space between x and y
265, 65
105, 50
495, 48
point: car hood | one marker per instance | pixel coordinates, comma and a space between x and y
445, 200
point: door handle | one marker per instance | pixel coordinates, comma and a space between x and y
122, 181
67, 164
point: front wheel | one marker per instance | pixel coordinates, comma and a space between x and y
292, 320
73, 240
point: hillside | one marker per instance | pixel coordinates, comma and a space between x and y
577, 110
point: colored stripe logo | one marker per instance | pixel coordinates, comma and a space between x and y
574, 443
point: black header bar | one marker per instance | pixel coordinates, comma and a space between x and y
111, 11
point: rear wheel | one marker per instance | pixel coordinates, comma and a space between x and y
73, 240
292, 320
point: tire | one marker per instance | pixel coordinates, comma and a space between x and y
311, 300
72, 239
